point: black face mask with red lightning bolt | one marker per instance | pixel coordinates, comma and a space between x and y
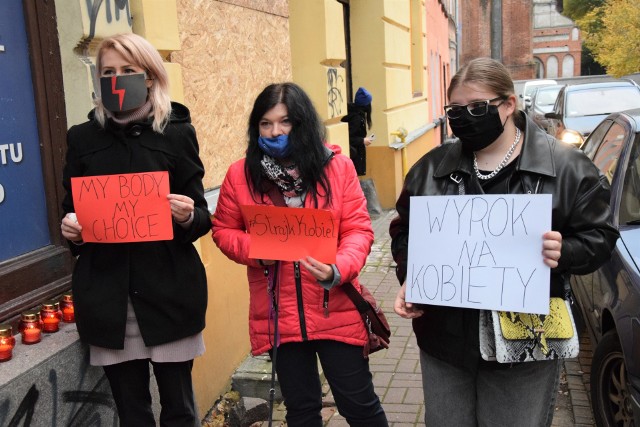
123, 92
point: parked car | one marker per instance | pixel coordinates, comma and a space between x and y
529, 87
542, 101
609, 298
579, 108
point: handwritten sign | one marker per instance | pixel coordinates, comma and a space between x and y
123, 208
288, 234
479, 251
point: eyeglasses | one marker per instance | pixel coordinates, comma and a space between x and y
475, 108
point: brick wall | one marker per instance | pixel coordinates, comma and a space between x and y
562, 41
517, 34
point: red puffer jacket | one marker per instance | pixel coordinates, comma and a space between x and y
302, 313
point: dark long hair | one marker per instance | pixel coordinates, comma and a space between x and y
307, 139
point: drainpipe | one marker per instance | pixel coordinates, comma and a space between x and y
496, 30
402, 134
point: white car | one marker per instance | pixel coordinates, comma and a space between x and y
529, 87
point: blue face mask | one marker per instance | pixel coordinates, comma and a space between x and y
278, 147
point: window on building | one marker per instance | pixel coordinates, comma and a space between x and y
539, 67
552, 67
567, 66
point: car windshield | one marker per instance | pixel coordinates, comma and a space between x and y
601, 101
547, 97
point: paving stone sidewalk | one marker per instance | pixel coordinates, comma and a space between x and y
396, 371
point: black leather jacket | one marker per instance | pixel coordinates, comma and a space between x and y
580, 212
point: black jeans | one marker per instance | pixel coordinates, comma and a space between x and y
347, 373
130, 388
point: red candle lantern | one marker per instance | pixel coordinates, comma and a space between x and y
68, 314
30, 327
7, 342
50, 315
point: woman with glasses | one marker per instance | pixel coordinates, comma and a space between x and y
500, 151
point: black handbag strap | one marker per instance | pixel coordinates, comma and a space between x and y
361, 304
278, 200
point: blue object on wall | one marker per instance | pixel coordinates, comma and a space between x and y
23, 213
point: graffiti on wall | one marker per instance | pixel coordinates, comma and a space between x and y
82, 408
112, 10
334, 93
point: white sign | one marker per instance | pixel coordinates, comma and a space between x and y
479, 251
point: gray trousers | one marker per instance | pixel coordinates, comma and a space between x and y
522, 395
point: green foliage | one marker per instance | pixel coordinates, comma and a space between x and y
612, 32
588, 65
576, 9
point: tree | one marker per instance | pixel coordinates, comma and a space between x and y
588, 65
611, 31
576, 9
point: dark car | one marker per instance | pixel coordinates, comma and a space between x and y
579, 108
609, 298
542, 102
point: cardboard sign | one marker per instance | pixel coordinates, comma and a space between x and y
479, 251
123, 208
287, 234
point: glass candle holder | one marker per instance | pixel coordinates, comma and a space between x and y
66, 305
30, 327
56, 308
7, 342
50, 315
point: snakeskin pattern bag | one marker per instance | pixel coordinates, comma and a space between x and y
509, 337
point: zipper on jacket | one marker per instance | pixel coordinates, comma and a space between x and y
325, 303
303, 325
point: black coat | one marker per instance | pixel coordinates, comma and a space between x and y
357, 121
580, 212
165, 280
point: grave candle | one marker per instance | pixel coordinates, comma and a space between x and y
7, 342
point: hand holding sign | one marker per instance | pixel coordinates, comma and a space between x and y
123, 208
291, 234
481, 251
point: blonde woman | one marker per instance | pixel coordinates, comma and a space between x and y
140, 303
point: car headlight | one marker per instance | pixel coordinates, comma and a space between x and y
571, 137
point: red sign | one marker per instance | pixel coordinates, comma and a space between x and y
123, 208
289, 234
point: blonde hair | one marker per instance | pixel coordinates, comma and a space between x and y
138, 51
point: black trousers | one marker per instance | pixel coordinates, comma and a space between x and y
347, 373
130, 388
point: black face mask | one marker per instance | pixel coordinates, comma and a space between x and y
123, 92
477, 132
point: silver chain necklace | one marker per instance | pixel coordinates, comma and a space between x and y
502, 164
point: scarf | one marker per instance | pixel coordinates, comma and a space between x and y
140, 114
287, 178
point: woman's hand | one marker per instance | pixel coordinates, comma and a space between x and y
71, 229
551, 248
403, 308
367, 142
181, 207
319, 270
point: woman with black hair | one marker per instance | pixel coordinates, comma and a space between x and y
287, 155
359, 119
